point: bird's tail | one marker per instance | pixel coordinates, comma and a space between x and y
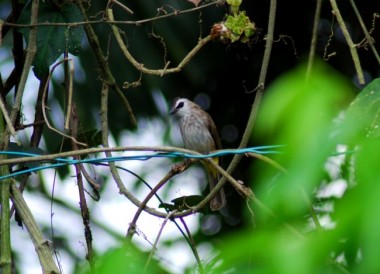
219, 200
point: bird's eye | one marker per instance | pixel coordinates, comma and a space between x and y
180, 105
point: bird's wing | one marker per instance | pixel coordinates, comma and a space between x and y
214, 133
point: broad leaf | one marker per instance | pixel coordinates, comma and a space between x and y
53, 41
363, 115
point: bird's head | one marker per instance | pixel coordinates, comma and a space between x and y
181, 107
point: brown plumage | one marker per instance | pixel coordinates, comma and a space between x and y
199, 133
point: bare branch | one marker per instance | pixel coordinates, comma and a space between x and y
140, 66
157, 239
351, 45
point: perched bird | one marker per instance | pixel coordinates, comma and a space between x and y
199, 133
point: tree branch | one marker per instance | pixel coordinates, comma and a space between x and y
42, 246
105, 71
314, 39
173, 172
351, 45
368, 37
30, 53
121, 22
140, 66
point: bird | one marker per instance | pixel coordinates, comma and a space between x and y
200, 134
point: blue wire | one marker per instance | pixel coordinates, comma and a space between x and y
65, 162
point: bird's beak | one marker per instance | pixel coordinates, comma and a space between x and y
173, 111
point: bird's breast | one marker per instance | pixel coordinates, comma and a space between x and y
196, 135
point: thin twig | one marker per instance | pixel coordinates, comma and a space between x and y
121, 22
69, 89
30, 53
140, 66
173, 171
245, 192
351, 45
104, 123
73, 122
268, 160
157, 239
188, 238
44, 108
6, 118
368, 37
38, 124
105, 71
94, 185
314, 39
123, 6
192, 246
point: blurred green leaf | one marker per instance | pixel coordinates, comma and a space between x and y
277, 251
357, 214
53, 41
300, 115
363, 115
127, 259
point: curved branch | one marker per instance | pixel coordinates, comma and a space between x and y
174, 171
105, 70
104, 121
43, 102
140, 66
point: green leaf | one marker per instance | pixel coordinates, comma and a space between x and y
184, 203
240, 26
53, 41
125, 259
363, 115
300, 115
